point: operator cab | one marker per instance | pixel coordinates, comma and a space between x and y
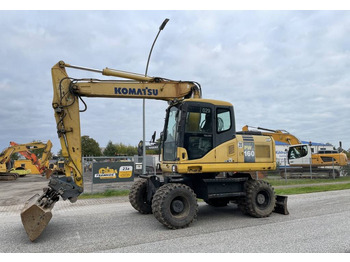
197, 125
299, 154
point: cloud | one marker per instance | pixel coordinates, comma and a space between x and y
280, 69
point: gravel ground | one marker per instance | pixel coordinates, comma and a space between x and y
18, 191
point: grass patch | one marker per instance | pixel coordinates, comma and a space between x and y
311, 189
107, 193
284, 182
272, 181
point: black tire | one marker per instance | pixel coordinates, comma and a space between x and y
241, 203
218, 202
175, 205
260, 198
138, 197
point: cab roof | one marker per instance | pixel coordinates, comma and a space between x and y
210, 101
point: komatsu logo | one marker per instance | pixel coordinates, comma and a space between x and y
136, 92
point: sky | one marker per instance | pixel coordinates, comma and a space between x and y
281, 69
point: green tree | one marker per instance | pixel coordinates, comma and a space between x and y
38, 152
154, 151
110, 149
122, 149
59, 153
89, 147
14, 156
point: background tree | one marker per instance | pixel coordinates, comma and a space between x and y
59, 153
89, 147
38, 152
155, 148
14, 156
110, 149
125, 150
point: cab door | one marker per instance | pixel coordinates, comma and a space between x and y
198, 129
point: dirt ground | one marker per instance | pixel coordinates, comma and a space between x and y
18, 191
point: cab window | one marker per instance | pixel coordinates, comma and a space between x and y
223, 120
297, 152
198, 139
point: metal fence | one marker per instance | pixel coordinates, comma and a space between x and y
91, 187
281, 173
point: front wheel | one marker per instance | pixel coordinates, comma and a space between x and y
260, 199
175, 205
138, 197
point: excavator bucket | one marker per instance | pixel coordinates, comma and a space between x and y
281, 205
35, 217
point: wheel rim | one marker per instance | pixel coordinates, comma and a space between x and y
262, 199
178, 206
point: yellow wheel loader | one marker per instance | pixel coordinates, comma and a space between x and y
200, 145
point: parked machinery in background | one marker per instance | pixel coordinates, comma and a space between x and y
301, 159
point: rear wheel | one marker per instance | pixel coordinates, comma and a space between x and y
260, 198
138, 197
175, 205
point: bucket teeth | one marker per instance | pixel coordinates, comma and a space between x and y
35, 217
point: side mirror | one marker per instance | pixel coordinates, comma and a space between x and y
153, 137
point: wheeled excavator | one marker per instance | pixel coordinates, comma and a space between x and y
199, 145
7, 174
323, 164
42, 163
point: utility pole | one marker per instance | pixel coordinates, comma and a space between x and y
144, 101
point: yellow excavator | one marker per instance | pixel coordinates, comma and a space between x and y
6, 173
199, 145
299, 155
42, 163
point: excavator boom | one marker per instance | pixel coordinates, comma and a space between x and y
278, 135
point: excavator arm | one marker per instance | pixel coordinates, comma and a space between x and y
67, 92
278, 135
45, 159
